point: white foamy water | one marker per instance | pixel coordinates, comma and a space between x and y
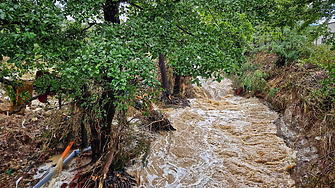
221, 141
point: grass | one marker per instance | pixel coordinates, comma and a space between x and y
305, 87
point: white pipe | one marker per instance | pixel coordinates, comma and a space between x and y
53, 170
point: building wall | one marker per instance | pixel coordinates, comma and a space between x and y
332, 28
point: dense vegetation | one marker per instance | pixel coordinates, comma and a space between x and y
105, 64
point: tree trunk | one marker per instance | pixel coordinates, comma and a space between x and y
111, 9
107, 119
165, 81
95, 142
101, 139
177, 85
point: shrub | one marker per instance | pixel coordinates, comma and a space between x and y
288, 43
324, 57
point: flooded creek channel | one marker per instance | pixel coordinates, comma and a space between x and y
222, 140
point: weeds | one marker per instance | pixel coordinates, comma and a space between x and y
306, 89
253, 79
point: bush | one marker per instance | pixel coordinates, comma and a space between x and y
324, 57
289, 44
253, 79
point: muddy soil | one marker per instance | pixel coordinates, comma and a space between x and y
22, 138
30, 140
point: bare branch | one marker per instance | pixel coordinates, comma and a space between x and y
213, 17
184, 30
90, 25
137, 6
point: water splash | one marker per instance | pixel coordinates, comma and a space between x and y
221, 141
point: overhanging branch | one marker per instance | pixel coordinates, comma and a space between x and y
213, 17
184, 30
137, 6
90, 25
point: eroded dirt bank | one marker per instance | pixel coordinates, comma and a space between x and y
306, 121
22, 138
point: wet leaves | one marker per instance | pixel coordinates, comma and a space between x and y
20, 145
120, 179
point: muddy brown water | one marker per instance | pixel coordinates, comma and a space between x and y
222, 140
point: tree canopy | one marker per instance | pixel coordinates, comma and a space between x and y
83, 42
200, 38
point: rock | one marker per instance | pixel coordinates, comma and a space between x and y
37, 109
34, 119
309, 65
60, 146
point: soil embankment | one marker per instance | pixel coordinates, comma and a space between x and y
307, 116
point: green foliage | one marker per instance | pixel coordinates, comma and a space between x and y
328, 38
287, 42
198, 38
292, 44
285, 28
294, 13
255, 81
324, 57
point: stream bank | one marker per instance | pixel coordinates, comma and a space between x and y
307, 114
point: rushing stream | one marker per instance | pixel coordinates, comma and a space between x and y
221, 141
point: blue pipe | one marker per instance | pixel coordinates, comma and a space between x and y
53, 170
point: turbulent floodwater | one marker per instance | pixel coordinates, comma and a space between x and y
221, 141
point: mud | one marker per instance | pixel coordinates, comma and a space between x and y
22, 141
